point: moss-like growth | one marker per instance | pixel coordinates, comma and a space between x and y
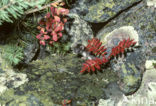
60, 48
58, 77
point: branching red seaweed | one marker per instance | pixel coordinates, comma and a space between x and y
120, 48
95, 46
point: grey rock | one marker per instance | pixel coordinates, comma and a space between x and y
30, 49
145, 96
142, 19
130, 67
130, 72
79, 31
97, 11
9, 78
56, 78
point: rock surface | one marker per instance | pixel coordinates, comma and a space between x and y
145, 96
9, 78
140, 18
79, 31
129, 66
30, 49
97, 11
57, 78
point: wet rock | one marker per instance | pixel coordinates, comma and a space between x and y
100, 10
79, 31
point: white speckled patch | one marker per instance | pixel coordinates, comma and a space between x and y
149, 64
151, 3
10, 79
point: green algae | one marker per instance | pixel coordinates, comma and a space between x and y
154, 49
55, 78
124, 69
102, 10
98, 12
130, 78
